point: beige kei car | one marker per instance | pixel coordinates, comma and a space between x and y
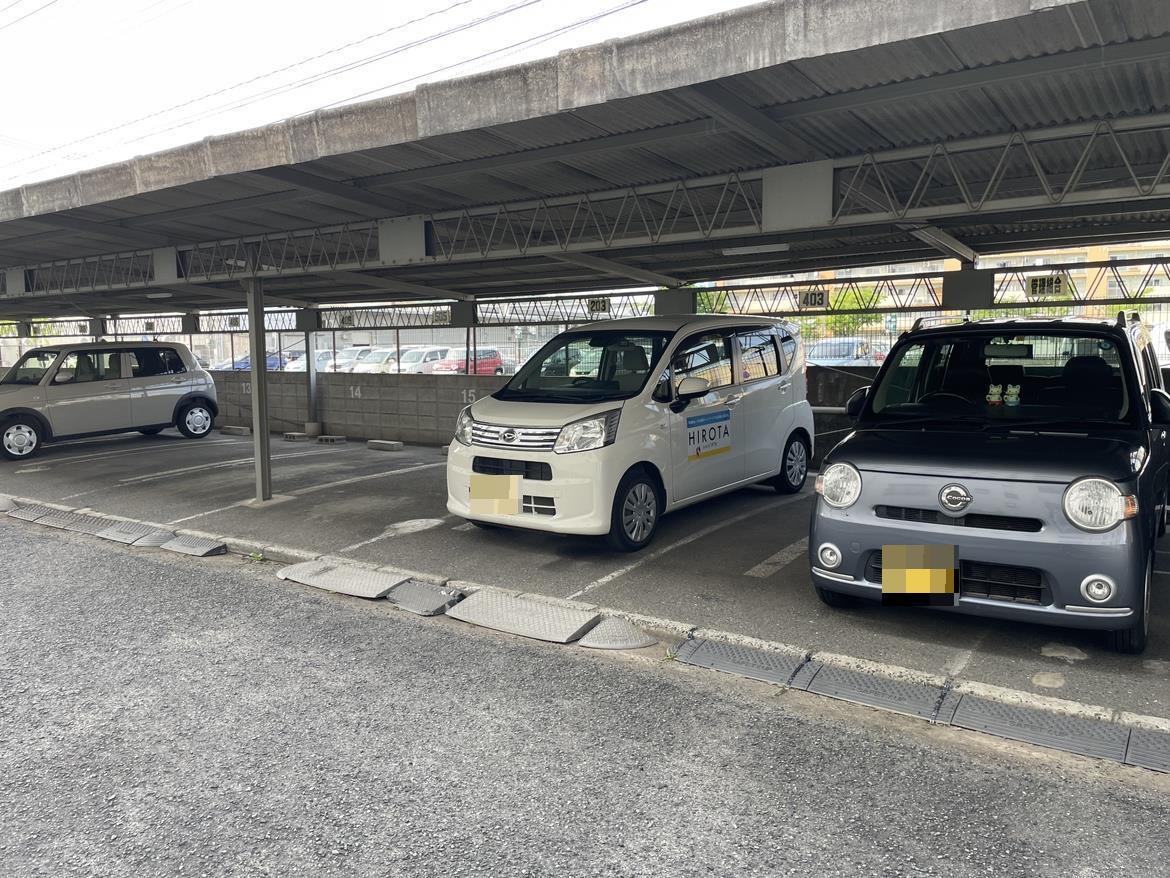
68, 391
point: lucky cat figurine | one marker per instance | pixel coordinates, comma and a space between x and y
995, 394
1012, 395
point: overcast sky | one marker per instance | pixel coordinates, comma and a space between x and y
87, 82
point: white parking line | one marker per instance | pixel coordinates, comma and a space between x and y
697, 535
152, 477
400, 529
50, 462
300, 492
780, 560
467, 525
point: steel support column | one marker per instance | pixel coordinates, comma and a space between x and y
312, 422
258, 350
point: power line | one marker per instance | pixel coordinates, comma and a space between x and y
225, 89
27, 14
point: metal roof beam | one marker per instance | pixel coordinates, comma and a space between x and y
723, 104
395, 286
218, 293
332, 188
943, 242
609, 266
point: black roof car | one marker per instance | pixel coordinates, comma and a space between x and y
1031, 452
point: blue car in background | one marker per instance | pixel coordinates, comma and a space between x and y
275, 363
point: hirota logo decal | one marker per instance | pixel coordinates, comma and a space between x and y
708, 435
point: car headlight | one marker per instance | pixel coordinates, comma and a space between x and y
587, 434
840, 485
463, 426
1097, 505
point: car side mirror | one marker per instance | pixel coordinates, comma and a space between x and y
1160, 407
692, 388
856, 402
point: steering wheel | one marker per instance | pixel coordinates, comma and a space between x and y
946, 394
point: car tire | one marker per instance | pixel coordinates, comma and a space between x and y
1132, 640
793, 467
195, 420
835, 599
20, 438
637, 508
151, 431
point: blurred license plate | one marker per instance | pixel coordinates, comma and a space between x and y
923, 575
495, 495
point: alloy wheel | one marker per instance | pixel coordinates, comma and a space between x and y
639, 512
796, 463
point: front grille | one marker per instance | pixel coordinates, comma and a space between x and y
531, 438
538, 505
971, 519
997, 582
537, 470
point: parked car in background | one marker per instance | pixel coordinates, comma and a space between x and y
1032, 452
679, 409
848, 351
421, 360
63, 392
377, 360
486, 361
275, 362
346, 358
300, 364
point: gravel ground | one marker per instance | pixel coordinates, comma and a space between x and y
167, 716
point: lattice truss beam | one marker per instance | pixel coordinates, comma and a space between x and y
1100, 161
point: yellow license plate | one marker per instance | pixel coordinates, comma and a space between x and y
495, 495
921, 575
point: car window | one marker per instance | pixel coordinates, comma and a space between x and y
30, 368
758, 354
788, 347
82, 367
1027, 376
147, 362
707, 355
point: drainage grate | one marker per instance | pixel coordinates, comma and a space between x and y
424, 598
1074, 734
523, 616
947, 708
616, 633
1149, 749
899, 696
200, 547
76, 522
131, 531
747, 661
32, 512
342, 578
805, 673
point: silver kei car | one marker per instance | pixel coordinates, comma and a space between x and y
1034, 451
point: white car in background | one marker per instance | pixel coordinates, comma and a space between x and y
422, 360
67, 391
378, 360
346, 358
678, 410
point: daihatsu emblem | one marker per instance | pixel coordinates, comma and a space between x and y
508, 436
954, 498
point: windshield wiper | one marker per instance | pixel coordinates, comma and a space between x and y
894, 421
1039, 424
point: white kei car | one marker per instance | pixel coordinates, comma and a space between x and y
67, 391
674, 410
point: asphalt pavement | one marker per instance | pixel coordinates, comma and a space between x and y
736, 563
165, 716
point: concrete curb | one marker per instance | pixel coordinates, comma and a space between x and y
990, 692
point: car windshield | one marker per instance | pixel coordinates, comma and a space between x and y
588, 366
412, 356
1015, 380
30, 368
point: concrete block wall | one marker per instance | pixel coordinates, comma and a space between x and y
421, 409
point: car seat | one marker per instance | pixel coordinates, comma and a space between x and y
630, 367
86, 371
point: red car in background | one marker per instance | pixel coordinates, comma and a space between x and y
487, 362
